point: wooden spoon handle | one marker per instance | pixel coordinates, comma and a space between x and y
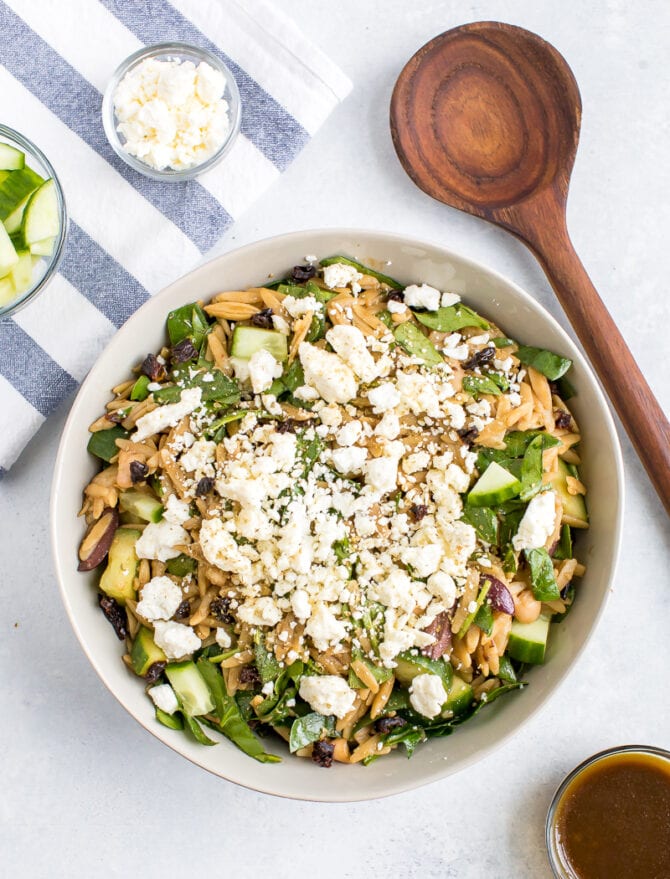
640, 412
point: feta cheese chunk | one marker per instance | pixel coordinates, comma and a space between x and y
199, 457
263, 370
299, 307
427, 695
159, 599
349, 460
222, 638
260, 612
342, 275
538, 522
395, 307
332, 378
349, 343
424, 296
327, 694
220, 549
175, 639
167, 416
384, 397
160, 540
324, 628
164, 698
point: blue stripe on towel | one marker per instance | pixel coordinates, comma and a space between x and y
267, 124
77, 103
105, 283
31, 371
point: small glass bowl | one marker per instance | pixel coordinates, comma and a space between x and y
171, 52
556, 862
48, 265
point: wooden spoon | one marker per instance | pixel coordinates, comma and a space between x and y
485, 118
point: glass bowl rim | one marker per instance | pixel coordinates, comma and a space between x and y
175, 47
6, 311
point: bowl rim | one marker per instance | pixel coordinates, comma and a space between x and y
394, 240
174, 47
12, 307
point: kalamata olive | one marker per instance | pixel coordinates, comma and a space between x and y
183, 351
262, 319
322, 754
499, 596
303, 273
95, 545
440, 629
138, 471
388, 724
485, 355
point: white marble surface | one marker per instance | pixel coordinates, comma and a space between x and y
86, 792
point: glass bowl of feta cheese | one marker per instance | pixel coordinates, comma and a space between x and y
172, 111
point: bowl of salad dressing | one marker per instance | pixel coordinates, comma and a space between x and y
610, 818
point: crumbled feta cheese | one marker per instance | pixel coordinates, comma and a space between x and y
299, 307
385, 396
220, 549
167, 416
396, 307
389, 426
222, 638
424, 296
423, 560
300, 605
199, 457
349, 460
281, 325
263, 369
538, 522
442, 586
342, 275
164, 698
324, 628
176, 510
160, 540
449, 299
175, 639
268, 689
327, 694
241, 368
350, 433
415, 462
381, 474
159, 599
260, 612
349, 343
333, 379
427, 695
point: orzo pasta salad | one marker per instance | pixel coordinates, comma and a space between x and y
337, 508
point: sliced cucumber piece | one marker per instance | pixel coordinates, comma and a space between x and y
7, 291
13, 222
408, 666
11, 158
45, 247
141, 504
145, 652
15, 187
22, 272
493, 487
8, 254
190, 687
248, 340
460, 696
40, 218
574, 505
122, 562
528, 641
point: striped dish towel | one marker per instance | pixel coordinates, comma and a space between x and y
129, 236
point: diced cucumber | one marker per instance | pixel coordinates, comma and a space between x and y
15, 187
11, 158
493, 487
45, 247
144, 652
408, 666
574, 505
410, 337
7, 291
460, 696
171, 721
122, 562
248, 340
8, 254
528, 641
40, 218
141, 504
22, 272
190, 688
13, 222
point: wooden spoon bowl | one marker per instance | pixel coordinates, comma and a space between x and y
485, 118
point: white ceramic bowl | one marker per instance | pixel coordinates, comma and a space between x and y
519, 316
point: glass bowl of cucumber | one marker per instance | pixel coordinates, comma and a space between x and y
33, 221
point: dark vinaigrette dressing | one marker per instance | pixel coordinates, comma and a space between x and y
613, 820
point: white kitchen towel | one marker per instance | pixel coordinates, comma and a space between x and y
129, 236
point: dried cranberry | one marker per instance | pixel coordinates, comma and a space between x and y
204, 486
219, 610
249, 675
183, 612
468, 434
388, 724
138, 471
153, 368
440, 629
562, 418
263, 319
155, 670
303, 273
115, 614
418, 511
183, 351
322, 754
479, 358
395, 296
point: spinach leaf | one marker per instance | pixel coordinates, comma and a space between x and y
485, 522
484, 618
215, 387
531, 469
451, 318
140, 390
181, 566
197, 731
502, 342
552, 365
364, 270
506, 670
565, 388
308, 729
102, 443
230, 720
308, 451
477, 385
409, 735
542, 577
342, 549
517, 441
317, 328
171, 721
266, 663
413, 341
310, 289
188, 322
564, 548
